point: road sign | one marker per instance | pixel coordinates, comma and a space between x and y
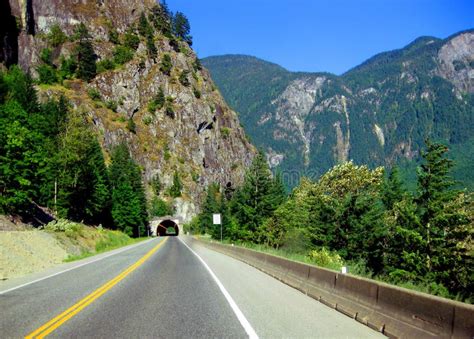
216, 220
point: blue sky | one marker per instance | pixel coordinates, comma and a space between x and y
318, 35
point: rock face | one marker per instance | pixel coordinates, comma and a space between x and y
200, 138
456, 61
378, 113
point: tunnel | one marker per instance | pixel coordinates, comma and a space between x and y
167, 228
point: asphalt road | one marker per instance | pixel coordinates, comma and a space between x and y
169, 294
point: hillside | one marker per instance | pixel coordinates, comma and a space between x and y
378, 113
146, 89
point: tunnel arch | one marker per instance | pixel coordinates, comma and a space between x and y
163, 228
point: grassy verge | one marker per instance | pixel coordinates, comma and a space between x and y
113, 240
332, 260
83, 241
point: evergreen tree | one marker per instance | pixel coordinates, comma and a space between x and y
442, 215
175, 189
256, 200
86, 57
162, 18
181, 28
392, 190
82, 180
129, 211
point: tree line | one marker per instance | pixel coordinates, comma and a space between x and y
50, 156
420, 239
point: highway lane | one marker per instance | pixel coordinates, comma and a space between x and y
171, 295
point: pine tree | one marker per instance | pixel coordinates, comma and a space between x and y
256, 200
162, 18
181, 28
129, 211
392, 190
442, 214
86, 57
82, 180
175, 189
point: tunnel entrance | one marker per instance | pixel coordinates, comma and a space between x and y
167, 228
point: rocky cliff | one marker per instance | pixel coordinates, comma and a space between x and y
378, 113
196, 135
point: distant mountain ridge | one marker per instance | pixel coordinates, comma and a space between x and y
377, 113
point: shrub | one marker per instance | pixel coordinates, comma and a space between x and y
147, 120
47, 74
105, 65
225, 131
56, 36
325, 258
131, 40
197, 65
71, 229
150, 44
46, 56
112, 105
197, 93
122, 55
114, 36
94, 94
131, 126
68, 68
183, 78
160, 208
166, 64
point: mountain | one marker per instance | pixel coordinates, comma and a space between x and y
378, 113
150, 90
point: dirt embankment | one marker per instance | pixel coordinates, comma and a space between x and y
23, 252
24, 249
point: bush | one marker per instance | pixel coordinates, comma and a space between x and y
325, 258
197, 93
131, 40
114, 36
131, 126
112, 105
47, 74
225, 131
183, 78
157, 102
166, 64
160, 208
105, 65
68, 68
56, 36
46, 56
197, 65
64, 225
122, 55
147, 120
94, 94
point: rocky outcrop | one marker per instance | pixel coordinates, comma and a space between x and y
456, 61
198, 136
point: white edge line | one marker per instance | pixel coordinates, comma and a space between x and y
74, 267
243, 321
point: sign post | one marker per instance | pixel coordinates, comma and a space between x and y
216, 220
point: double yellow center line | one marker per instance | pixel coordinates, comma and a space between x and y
60, 319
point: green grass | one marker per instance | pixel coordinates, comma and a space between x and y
112, 240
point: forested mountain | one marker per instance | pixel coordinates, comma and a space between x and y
134, 119
378, 113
